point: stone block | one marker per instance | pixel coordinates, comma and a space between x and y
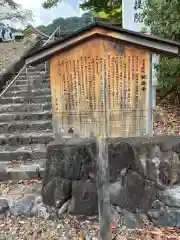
170, 196
156, 210
72, 159
3, 205
133, 193
3, 173
56, 191
85, 199
22, 207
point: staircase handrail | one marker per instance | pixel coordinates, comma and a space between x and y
52, 35
13, 80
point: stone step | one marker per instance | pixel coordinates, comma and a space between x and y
33, 99
33, 81
27, 126
34, 86
33, 76
22, 85
25, 171
34, 72
35, 68
17, 88
26, 138
22, 153
19, 93
26, 116
22, 107
20, 82
39, 66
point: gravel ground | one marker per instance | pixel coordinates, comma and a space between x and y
68, 227
38, 228
19, 228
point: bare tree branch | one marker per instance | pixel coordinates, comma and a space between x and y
10, 3
10, 10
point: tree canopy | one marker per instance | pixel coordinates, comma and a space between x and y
105, 8
163, 18
111, 9
67, 24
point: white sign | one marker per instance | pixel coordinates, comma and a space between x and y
132, 14
132, 20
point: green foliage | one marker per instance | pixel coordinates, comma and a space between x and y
163, 18
168, 76
98, 5
114, 15
111, 9
67, 24
50, 3
105, 8
27, 32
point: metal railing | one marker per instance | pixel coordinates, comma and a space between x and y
52, 35
13, 80
49, 39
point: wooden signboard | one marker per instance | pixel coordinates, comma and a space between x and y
77, 83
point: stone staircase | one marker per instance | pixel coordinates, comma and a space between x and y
25, 126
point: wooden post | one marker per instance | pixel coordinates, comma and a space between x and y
103, 190
103, 177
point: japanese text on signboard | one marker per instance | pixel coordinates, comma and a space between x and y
138, 6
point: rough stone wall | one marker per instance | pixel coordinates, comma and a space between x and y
10, 59
12, 51
144, 178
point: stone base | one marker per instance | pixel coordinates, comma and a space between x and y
140, 170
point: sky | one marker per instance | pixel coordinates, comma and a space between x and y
68, 8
